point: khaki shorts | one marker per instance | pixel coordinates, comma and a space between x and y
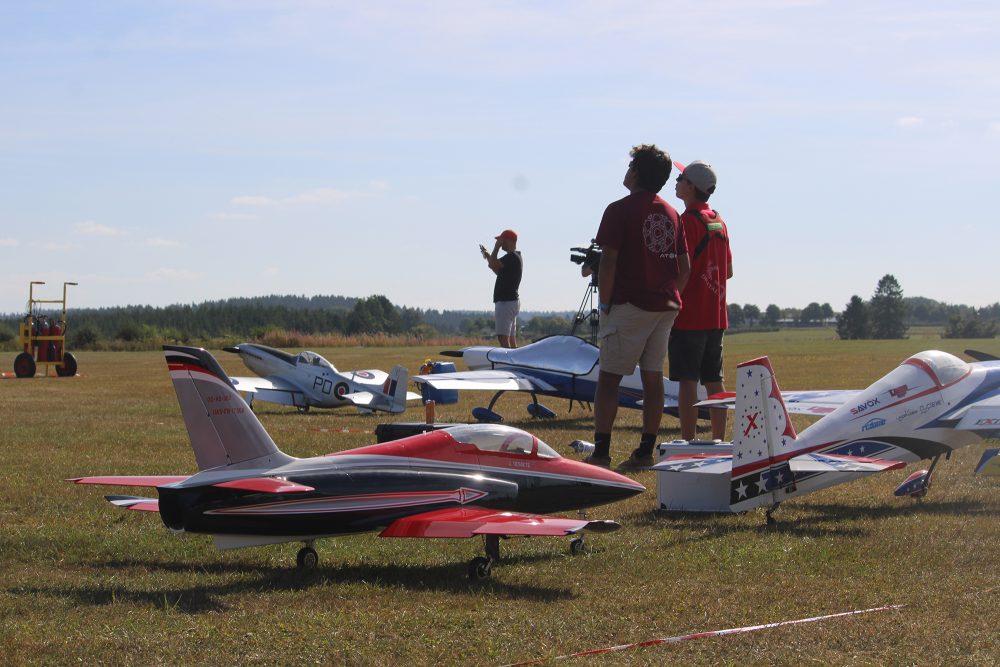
630, 335
506, 317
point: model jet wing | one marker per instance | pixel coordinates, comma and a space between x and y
983, 415
484, 380
816, 403
814, 462
471, 521
130, 480
135, 503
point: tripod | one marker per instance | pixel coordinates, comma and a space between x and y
586, 311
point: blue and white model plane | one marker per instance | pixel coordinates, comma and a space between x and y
560, 366
307, 380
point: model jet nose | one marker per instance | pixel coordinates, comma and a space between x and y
235, 349
452, 353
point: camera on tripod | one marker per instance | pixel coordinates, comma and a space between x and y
589, 256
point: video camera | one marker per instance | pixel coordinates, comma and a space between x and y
589, 256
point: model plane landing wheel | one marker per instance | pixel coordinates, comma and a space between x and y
24, 366
307, 559
67, 368
576, 546
770, 519
480, 568
302, 408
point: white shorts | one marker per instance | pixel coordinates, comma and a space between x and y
630, 335
506, 316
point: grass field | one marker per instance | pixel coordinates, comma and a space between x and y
84, 582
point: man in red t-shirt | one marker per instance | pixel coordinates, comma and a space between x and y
695, 347
644, 266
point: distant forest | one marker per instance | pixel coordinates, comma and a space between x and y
324, 318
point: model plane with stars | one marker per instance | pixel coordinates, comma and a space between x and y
930, 405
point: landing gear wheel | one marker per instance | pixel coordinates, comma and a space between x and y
307, 559
479, 568
576, 546
68, 367
24, 366
302, 408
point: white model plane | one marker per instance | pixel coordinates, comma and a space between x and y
306, 380
930, 405
560, 366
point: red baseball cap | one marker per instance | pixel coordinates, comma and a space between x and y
507, 234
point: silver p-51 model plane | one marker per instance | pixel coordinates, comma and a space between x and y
306, 380
930, 405
559, 366
488, 480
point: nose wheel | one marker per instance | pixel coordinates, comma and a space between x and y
480, 567
307, 559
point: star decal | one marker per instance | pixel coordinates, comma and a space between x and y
741, 490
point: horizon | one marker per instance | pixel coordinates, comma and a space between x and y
170, 152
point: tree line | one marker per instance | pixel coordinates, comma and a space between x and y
887, 314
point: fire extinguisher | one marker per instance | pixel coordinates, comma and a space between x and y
43, 346
55, 354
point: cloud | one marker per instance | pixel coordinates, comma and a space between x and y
91, 228
161, 243
233, 217
170, 275
909, 121
314, 197
994, 129
8, 243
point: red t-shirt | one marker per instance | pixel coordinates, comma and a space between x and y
705, 293
647, 234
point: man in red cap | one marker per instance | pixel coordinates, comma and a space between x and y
506, 302
695, 347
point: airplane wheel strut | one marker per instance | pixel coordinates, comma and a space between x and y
307, 559
576, 546
479, 568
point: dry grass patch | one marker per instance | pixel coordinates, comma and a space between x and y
83, 581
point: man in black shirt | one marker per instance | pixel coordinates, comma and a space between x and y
505, 297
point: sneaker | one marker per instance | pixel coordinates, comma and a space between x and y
600, 461
637, 461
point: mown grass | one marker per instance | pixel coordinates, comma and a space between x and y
82, 581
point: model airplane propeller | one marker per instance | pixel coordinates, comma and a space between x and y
488, 480
930, 405
307, 380
560, 366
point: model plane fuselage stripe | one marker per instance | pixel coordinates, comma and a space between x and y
357, 503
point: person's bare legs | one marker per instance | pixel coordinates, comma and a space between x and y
719, 415
687, 396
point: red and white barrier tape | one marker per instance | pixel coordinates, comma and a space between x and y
710, 633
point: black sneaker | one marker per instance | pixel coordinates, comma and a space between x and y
600, 461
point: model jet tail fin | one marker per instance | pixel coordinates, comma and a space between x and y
763, 439
222, 428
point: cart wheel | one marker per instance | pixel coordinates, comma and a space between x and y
67, 368
24, 366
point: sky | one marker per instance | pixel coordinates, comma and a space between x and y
163, 152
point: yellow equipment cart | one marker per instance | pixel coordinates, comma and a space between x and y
43, 340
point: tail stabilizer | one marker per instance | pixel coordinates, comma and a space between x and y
222, 428
763, 439
392, 398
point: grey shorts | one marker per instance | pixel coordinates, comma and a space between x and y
506, 316
630, 335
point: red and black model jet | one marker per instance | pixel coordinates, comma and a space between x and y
468, 480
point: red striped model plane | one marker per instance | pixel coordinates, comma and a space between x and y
488, 480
